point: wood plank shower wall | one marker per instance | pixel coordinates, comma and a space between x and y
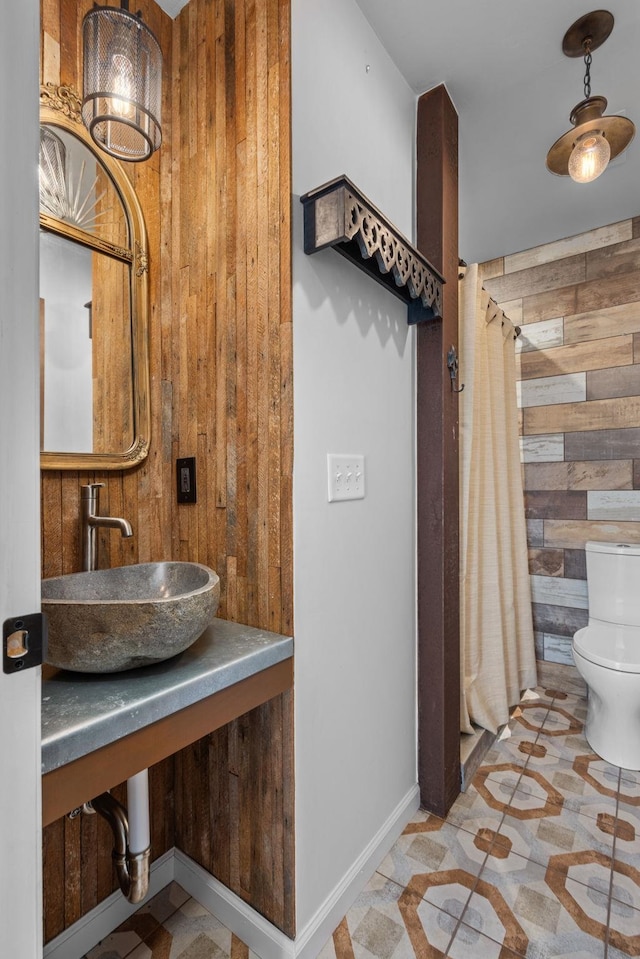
216, 200
577, 300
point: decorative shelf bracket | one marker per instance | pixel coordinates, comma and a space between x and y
337, 214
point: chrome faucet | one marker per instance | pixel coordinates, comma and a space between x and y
90, 521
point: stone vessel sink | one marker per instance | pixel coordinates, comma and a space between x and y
115, 619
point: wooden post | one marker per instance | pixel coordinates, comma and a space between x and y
437, 463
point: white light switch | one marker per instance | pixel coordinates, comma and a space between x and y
346, 476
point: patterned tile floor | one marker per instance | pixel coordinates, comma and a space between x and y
540, 858
172, 925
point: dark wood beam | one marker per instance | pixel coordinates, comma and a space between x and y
437, 463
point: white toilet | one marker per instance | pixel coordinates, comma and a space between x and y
607, 653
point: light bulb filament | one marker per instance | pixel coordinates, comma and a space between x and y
589, 157
122, 85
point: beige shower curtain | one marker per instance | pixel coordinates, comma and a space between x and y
497, 647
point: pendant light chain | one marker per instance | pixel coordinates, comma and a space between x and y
587, 64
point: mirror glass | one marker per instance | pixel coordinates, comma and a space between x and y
93, 305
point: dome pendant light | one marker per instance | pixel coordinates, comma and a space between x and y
583, 153
122, 83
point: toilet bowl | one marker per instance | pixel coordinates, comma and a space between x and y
607, 653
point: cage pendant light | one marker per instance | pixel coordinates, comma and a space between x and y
122, 92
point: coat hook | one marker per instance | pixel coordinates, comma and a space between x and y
452, 363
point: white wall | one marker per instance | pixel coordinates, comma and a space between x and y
354, 393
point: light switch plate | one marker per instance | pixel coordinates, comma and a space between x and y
346, 476
186, 479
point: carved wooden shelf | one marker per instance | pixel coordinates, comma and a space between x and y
337, 214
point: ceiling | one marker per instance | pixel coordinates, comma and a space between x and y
513, 88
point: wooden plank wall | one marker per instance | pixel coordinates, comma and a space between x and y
113, 418
216, 200
232, 381
578, 302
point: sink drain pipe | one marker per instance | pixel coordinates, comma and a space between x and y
131, 834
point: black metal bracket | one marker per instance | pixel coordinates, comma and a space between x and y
452, 363
24, 642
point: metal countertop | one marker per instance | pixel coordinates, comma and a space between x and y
82, 712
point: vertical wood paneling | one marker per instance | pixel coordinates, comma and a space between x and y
238, 301
216, 201
72, 870
89, 845
53, 861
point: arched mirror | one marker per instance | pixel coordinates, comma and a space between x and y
94, 363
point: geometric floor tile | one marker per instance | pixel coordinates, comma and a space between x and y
530, 716
171, 926
560, 722
385, 921
538, 859
604, 777
521, 910
469, 942
472, 810
449, 848
497, 783
568, 834
627, 834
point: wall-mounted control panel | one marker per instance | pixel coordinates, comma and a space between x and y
346, 476
186, 479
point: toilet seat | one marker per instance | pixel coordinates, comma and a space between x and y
610, 645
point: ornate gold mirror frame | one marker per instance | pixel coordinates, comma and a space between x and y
60, 107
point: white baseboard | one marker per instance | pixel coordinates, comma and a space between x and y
317, 931
84, 934
262, 937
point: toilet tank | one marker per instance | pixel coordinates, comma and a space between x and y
613, 577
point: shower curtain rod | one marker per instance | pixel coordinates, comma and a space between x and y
462, 263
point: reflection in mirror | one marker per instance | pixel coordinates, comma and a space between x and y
75, 187
67, 375
86, 348
93, 301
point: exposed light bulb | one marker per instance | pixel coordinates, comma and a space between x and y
123, 86
589, 157
122, 83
